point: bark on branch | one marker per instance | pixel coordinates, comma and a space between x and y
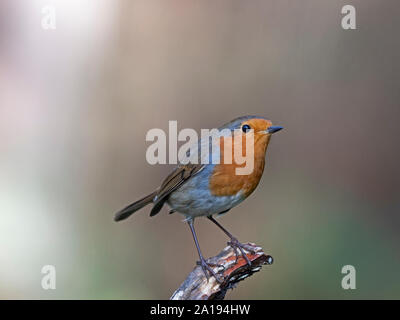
197, 287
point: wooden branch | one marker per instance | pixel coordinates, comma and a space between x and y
197, 287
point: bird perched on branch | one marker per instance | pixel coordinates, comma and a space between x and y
208, 189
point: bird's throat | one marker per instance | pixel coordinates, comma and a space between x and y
225, 181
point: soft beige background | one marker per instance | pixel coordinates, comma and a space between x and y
76, 103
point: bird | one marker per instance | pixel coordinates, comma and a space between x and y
212, 189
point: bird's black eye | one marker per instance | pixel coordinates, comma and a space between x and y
245, 128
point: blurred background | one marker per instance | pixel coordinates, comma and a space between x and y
76, 103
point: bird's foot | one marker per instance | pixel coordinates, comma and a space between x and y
206, 267
235, 244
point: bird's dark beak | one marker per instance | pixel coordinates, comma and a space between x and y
274, 129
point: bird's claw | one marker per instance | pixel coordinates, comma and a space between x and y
235, 244
206, 266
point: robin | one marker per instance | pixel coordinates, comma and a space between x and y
198, 189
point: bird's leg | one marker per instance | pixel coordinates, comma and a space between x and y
203, 263
234, 243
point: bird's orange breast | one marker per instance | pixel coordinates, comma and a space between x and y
224, 180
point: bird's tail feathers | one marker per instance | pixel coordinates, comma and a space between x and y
132, 208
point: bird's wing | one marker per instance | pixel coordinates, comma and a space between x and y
177, 177
172, 182
196, 163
